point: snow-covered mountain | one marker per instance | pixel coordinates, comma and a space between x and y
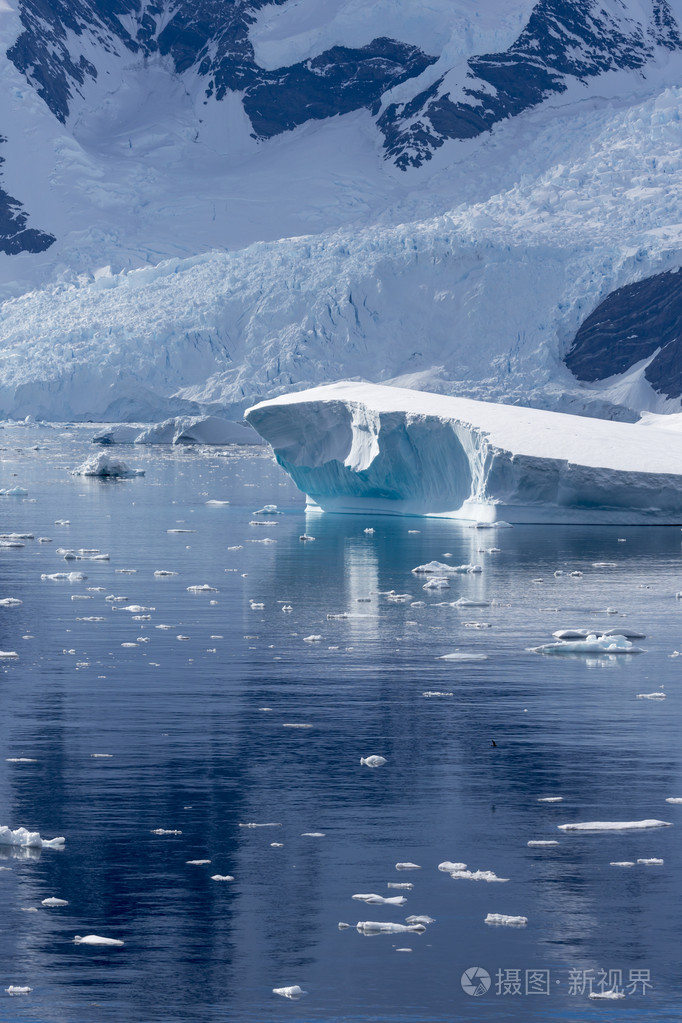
204, 202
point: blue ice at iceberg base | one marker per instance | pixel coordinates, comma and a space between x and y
358, 447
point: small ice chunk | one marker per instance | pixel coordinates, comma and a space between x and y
592, 644
447, 866
606, 995
313, 834
305, 537
16, 989
550, 799
614, 825
10, 602
466, 602
54, 902
25, 839
652, 862
293, 991
96, 939
501, 920
461, 655
15, 492
197, 863
133, 608
604, 564
204, 588
222, 877
68, 577
440, 568
21, 760
541, 843
376, 927
419, 920
312, 639
104, 466
622, 863
273, 824
379, 900
220, 503
373, 761
404, 885
651, 696
165, 831
437, 582
674, 799
9, 655
163, 572
476, 875
435, 692
407, 866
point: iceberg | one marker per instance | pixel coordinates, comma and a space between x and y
106, 468
25, 839
370, 448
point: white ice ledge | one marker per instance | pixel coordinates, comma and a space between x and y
358, 447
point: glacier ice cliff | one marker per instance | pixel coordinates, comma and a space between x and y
358, 447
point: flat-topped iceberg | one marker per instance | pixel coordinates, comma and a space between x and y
359, 447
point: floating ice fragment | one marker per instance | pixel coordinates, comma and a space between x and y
54, 902
10, 602
614, 825
313, 834
651, 696
165, 831
9, 655
440, 568
404, 885
476, 875
461, 655
622, 863
105, 467
220, 503
419, 920
312, 639
277, 845
181, 530
550, 799
305, 537
62, 522
20, 760
606, 995
407, 866
15, 492
205, 588
68, 577
132, 608
604, 564
28, 839
295, 724
197, 863
501, 920
435, 692
101, 756
11, 544
379, 900
376, 927
447, 866
163, 572
652, 862
541, 843
369, 531
293, 991
592, 644
437, 582
373, 761
270, 824
465, 602
222, 877
16, 989
96, 939
674, 799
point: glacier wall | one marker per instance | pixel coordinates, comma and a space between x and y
354, 447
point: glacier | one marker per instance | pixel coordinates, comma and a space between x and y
357, 447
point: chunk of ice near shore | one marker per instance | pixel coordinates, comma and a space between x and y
360, 447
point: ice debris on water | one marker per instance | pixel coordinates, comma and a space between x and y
673, 799
221, 877
162, 572
476, 875
461, 655
447, 866
23, 838
622, 863
204, 588
550, 799
197, 863
402, 885
419, 920
651, 696
68, 577
614, 825
107, 468
437, 582
592, 644
9, 655
606, 995
292, 991
52, 902
373, 761
653, 861
407, 866
541, 843
440, 568
376, 927
16, 989
501, 920
96, 939
378, 900
10, 602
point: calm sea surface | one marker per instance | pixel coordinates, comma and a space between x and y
205, 712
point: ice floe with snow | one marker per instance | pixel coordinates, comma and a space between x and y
369, 927
378, 900
293, 991
594, 643
358, 447
22, 838
502, 920
614, 825
373, 761
97, 939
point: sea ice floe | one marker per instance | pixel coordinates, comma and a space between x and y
204, 588
292, 991
16, 989
9, 655
674, 799
476, 875
550, 799
622, 863
407, 866
96, 939
540, 843
441, 568
14, 492
52, 902
419, 920
651, 862
68, 577
132, 608
606, 995
163, 572
437, 582
378, 900
373, 761
406, 886
105, 467
222, 877
197, 863
23, 838
592, 644
376, 927
10, 602
313, 834
312, 639
461, 655
651, 696
447, 866
269, 824
466, 602
614, 825
584, 633
165, 831
217, 504
436, 692
21, 760
501, 920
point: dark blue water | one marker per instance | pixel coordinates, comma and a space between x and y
192, 749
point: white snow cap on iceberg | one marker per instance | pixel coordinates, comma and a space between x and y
359, 447
104, 466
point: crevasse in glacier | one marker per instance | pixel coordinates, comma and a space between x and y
358, 447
